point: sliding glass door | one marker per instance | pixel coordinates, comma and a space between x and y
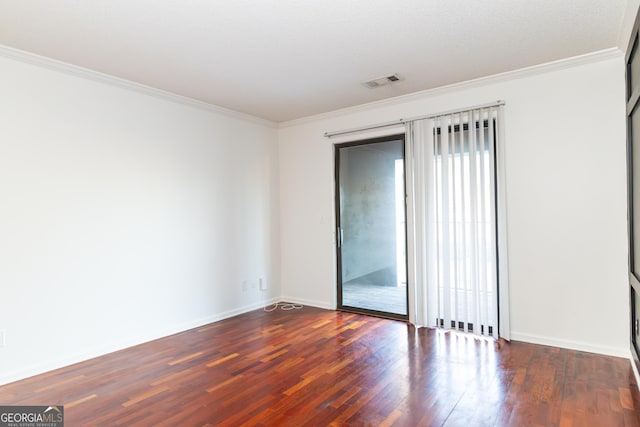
371, 231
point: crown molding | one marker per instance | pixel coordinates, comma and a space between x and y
60, 66
534, 70
85, 73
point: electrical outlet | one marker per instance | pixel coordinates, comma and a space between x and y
245, 286
3, 337
263, 284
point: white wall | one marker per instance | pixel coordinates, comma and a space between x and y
566, 198
124, 217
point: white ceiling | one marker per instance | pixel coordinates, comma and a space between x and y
285, 59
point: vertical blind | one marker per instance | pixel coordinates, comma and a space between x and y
457, 221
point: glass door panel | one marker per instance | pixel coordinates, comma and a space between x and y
370, 196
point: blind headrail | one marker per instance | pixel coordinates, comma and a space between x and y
410, 119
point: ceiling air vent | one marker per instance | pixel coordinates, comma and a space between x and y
381, 81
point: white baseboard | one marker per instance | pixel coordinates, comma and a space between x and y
312, 303
9, 377
571, 345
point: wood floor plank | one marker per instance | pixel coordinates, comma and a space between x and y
222, 360
79, 401
314, 367
185, 358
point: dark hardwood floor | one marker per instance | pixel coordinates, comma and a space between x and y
314, 367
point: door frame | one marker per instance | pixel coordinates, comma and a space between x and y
632, 98
338, 225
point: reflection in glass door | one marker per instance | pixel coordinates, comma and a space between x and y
371, 233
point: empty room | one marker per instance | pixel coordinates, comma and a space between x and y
358, 213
